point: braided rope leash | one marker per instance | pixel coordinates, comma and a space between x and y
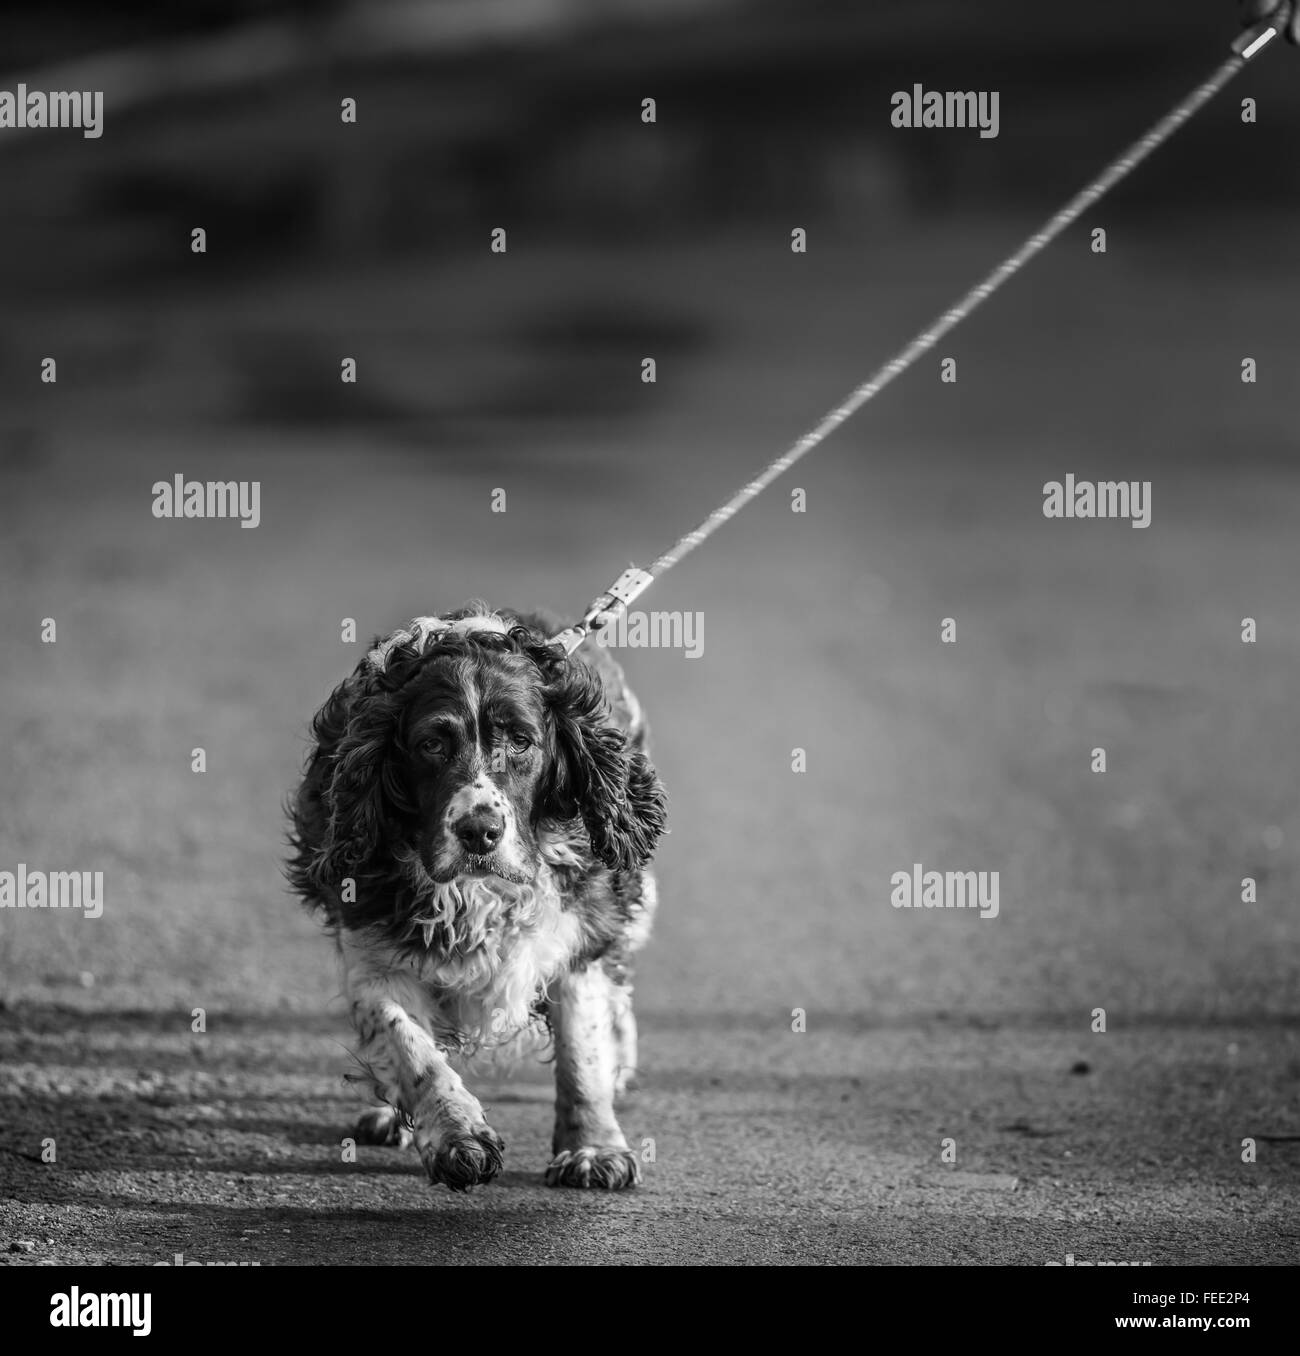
608, 606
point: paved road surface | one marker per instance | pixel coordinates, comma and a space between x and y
1119, 891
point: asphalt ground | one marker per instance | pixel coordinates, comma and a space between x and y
1119, 890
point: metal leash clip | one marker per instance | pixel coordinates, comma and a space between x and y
606, 608
1278, 19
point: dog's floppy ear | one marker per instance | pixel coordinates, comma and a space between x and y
353, 776
596, 775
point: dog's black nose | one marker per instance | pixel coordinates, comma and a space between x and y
480, 831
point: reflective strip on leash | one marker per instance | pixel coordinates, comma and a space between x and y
614, 601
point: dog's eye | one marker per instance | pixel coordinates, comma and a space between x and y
433, 748
519, 742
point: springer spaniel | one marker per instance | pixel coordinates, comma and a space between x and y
474, 823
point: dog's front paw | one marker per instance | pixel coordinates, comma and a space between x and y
606, 1169
464, 1158
383, 1125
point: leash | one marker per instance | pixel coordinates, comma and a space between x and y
608, 606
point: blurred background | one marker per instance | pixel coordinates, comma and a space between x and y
522, 371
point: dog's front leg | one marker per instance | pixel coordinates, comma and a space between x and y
589, 1147
456, 1144
624, 1023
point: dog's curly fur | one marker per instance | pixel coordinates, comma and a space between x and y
475, 823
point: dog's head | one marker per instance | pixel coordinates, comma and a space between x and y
458, 741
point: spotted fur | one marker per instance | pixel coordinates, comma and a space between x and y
475, 824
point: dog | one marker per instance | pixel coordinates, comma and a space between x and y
475, 823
